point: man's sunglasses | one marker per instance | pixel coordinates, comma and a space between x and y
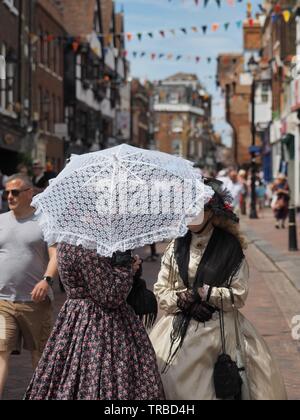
14, 193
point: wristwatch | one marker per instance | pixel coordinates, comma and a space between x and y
49, 280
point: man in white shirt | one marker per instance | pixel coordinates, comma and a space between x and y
28, 267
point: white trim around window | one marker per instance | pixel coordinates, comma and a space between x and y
11, 5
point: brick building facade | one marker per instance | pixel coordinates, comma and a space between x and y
182, 112
140, 114
47, 81
237, 98
12, 129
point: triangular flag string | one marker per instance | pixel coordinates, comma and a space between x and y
170, 56
278, 13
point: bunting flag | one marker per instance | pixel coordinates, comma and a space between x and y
217, 1
170, 56
230, 3
287, 16
75, 46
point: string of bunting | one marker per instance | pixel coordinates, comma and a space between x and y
206, 2
286, 14
167, 56
277, 9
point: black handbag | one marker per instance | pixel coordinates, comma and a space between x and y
227, 379
143, 300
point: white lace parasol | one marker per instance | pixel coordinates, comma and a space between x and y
121, 198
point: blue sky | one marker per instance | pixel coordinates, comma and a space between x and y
155, 15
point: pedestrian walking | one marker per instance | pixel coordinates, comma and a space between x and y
280, 201
28, 267
261, 194
242, 178
22, 168
203, 279
236, 189
153, 254
99, 348
3, 201
40, 179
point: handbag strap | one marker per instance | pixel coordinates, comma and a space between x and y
222, 326
237, 337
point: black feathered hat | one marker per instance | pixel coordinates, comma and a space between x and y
221, 202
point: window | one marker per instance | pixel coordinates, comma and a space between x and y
265, 92
46, 50
3, 82
46, 110
58, 111
83, 125
49, 48
58, 60
7, 86
173, 98
177, 147
177, 125
41, 46
53, 119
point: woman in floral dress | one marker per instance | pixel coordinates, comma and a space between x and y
99, 349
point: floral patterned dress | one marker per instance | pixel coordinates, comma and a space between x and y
99, 349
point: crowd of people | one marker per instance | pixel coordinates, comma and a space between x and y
274, 195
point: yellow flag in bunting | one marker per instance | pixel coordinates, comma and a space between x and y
286, 15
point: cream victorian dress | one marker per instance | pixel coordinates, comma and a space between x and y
190, 375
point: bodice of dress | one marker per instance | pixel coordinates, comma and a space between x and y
197, 249
86, 275
169, 282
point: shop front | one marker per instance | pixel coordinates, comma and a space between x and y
10, 149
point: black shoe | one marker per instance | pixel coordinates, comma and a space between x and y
277, 226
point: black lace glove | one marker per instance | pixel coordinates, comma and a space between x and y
192, 305
185, 300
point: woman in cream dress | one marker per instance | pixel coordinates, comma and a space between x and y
187, 338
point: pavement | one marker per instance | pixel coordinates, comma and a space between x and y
273, 302
274, 243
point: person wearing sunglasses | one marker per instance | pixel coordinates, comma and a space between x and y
28, 266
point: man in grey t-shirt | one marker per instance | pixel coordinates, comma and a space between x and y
27, 267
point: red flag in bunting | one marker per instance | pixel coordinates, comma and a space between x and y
75, 46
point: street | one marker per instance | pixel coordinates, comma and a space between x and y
272, 303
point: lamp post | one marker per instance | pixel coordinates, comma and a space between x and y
253, 66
